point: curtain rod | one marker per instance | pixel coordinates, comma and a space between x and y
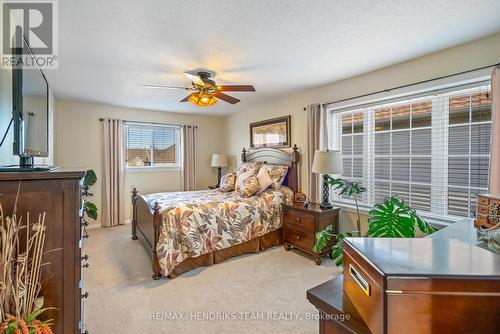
157, 123
412, 84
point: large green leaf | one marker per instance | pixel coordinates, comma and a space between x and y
346, 187
322, 238
90, 178
91, 210
395, 219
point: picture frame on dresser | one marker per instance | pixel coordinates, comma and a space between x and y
271, 133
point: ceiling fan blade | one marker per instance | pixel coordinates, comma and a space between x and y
186, 99
236, 88
227, 98
168, 87
195, 79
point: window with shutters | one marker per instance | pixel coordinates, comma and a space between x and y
432, 151
151, 145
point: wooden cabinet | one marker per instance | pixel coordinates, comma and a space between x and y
428, 285
488, 210
301, 224
443, 283
58, 195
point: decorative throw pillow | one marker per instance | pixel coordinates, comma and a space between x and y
250, 166
264, 179
227, 182
247, 184
277, 173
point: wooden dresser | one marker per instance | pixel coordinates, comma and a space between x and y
58, 194
444, 283
488, 210
301, 224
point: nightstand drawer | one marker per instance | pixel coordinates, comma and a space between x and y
299, 238
299, 220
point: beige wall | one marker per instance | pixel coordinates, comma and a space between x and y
468, 56
79, 144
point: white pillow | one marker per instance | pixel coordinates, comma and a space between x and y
264, 179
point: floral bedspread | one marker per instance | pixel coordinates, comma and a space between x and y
200, 222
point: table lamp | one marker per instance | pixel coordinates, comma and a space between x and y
326, 162
219, 161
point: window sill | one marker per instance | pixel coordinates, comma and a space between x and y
151, 169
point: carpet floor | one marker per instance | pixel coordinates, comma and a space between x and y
256, 293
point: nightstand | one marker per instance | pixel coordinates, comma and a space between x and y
301, 224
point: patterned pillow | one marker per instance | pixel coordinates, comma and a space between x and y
247, 184
227, 182
277, 173
264, 179
250, 166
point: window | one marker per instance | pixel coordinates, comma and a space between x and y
151, 145
432, 151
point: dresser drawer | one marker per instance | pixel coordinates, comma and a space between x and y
299, 220
299, 238
482, 209
483, 200
482, 218
363, 284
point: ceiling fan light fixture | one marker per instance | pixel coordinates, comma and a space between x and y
202, 99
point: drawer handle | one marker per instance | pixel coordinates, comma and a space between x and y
85, 295
363, 284
86, 265
298, 220
86, 257
298, 237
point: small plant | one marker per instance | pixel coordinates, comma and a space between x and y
325, 236
352, 190
348, 189
89, 180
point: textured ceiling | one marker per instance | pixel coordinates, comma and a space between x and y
110, 48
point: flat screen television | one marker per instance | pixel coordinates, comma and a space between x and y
30, 109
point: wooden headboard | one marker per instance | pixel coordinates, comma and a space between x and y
274, 156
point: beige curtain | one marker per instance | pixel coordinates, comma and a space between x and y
316, 140
113, 176
188, 170
494, 180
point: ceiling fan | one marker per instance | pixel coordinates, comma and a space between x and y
205, 91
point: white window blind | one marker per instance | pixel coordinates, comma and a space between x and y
151, 145
431, 151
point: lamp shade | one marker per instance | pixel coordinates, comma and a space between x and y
219, 160
327, 162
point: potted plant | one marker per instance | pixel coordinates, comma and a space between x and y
391, 219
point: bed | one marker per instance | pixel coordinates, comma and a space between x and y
182, 231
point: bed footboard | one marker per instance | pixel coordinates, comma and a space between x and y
146, 223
